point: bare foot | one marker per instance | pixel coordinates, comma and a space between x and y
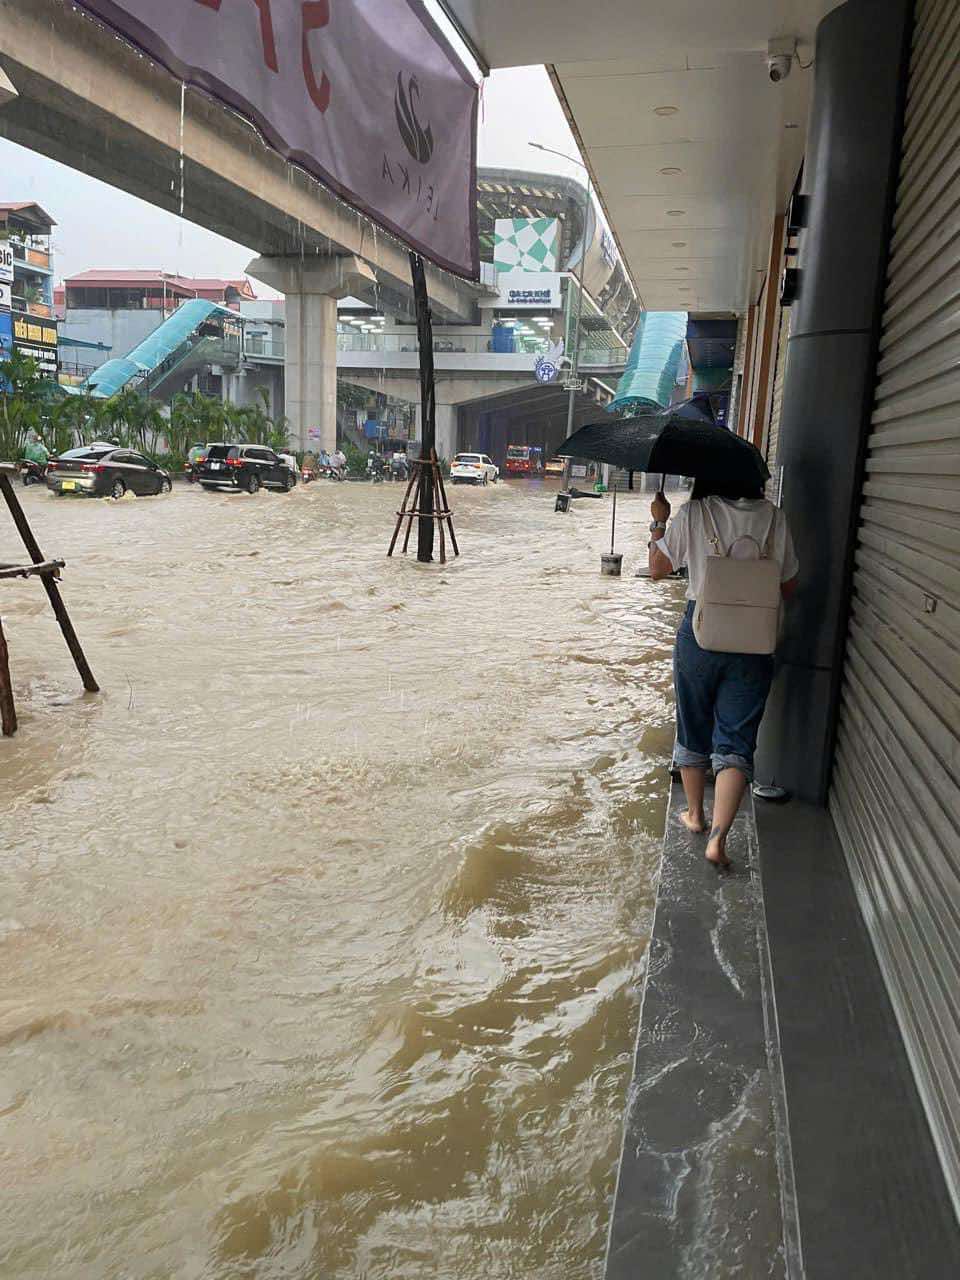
716, 851
693, 822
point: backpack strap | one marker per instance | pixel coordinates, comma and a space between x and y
766, 547
710, 528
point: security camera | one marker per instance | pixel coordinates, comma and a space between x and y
780, 54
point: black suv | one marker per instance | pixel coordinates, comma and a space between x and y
244, 466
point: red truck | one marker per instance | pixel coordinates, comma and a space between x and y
523, 460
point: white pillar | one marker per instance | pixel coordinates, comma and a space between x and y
311, 287
447, 419
310, 369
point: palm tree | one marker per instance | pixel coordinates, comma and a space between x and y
135, 419
21, 402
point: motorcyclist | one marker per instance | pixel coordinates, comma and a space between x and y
34, 462
35, 450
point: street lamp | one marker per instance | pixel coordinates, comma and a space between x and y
574, 365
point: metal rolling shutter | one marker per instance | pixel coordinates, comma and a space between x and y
896, 796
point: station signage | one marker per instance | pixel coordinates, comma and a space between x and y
529, 290
39, 342
370, 99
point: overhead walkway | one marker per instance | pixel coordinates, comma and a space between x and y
193, 336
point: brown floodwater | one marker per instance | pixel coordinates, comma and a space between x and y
322, 926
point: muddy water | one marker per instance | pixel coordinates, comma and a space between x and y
321, 926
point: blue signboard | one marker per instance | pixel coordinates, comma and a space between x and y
6, 343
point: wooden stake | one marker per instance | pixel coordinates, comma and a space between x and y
8, 712
49, 585
437, 509
403, 504
445, 506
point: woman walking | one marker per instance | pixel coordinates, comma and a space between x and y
720, 696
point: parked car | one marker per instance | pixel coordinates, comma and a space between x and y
104, 471
473, 468
244, 466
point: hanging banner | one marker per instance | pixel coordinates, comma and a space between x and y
368, 97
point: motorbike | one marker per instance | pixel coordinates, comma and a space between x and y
308, 474
32, 472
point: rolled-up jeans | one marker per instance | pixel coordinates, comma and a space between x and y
720, 702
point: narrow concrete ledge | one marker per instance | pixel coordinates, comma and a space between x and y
773, 1126
699, 1188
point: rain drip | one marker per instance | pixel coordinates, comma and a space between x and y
183, 97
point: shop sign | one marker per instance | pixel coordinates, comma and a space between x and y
6, 296
39, 342
6, 263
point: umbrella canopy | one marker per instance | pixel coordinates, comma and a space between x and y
682, 440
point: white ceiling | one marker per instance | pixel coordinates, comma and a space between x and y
695, 240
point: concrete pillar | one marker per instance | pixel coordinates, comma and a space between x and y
849, 175
310, 368
311, 287
447, 420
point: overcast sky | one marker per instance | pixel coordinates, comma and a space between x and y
98, 226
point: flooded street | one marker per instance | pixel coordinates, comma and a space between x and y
322, 926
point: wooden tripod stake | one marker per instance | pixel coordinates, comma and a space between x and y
426, 478
427, 473
48, 571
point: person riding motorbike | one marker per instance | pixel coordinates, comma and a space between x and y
34, 462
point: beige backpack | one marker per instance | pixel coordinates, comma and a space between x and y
738, 610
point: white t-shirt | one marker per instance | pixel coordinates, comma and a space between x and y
289, 459
685, 542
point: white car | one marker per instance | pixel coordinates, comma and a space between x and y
473, 468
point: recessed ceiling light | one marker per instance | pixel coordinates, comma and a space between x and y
665, 111
676, 213
679, 244
670, 169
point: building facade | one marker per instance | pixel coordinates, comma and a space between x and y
27, 319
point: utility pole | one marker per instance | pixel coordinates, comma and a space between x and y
573, 374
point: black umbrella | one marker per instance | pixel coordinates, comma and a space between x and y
682, 440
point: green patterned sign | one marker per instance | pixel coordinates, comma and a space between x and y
525, 244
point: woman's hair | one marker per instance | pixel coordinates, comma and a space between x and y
703, 488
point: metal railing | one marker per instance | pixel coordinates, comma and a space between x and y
269, 348
468, 344
474, 344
